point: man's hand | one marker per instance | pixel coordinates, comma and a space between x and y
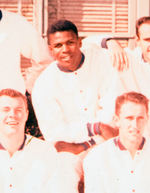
75, 148
118, 55
107, 131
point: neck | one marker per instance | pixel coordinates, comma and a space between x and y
12, 144
133, 146
73, 67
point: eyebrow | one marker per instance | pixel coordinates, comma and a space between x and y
146, 38
130, 116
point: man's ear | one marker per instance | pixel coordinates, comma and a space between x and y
137, 40
27, 114
116, 121
80, 41
51, 50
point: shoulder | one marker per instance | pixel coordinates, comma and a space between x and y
13, 17
100, 152
18, 24
40, 147
135, 57
134, 52
41, 154
49, 70
48, 75
94, 52
94, 39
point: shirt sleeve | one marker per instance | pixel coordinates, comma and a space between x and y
99, 40
32, 45
51, 120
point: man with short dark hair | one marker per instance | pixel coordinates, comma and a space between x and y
67, 95
121, 164
70, 92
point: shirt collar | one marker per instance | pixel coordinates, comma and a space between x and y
20, 148
122, 147
80, 64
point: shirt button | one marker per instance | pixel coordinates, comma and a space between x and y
10, 185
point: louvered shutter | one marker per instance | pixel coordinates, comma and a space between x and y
95, 16
9, 5
27, 9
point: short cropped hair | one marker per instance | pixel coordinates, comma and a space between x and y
62, 25
141, 21
134, 97
14, 94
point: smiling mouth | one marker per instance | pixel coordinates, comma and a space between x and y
13, 123
67, 58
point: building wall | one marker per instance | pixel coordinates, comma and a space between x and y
114, 17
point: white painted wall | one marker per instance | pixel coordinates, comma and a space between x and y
143, 8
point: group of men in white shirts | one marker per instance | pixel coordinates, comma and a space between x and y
74, 102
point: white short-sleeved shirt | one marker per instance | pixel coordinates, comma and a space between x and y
107, 169
31, 169
65, 102
18, 37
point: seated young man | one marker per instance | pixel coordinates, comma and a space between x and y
27, 164
68, 93
121, 164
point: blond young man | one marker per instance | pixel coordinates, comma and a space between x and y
121, 164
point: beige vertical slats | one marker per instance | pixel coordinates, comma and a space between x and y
27, 9
121, 10
52, 11
91, 16
10, 5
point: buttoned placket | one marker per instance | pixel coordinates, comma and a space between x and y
132, 171
81, 95
130, 168
11, 162
11, 173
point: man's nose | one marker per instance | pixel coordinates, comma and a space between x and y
134, 123
12, 113
65, 47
